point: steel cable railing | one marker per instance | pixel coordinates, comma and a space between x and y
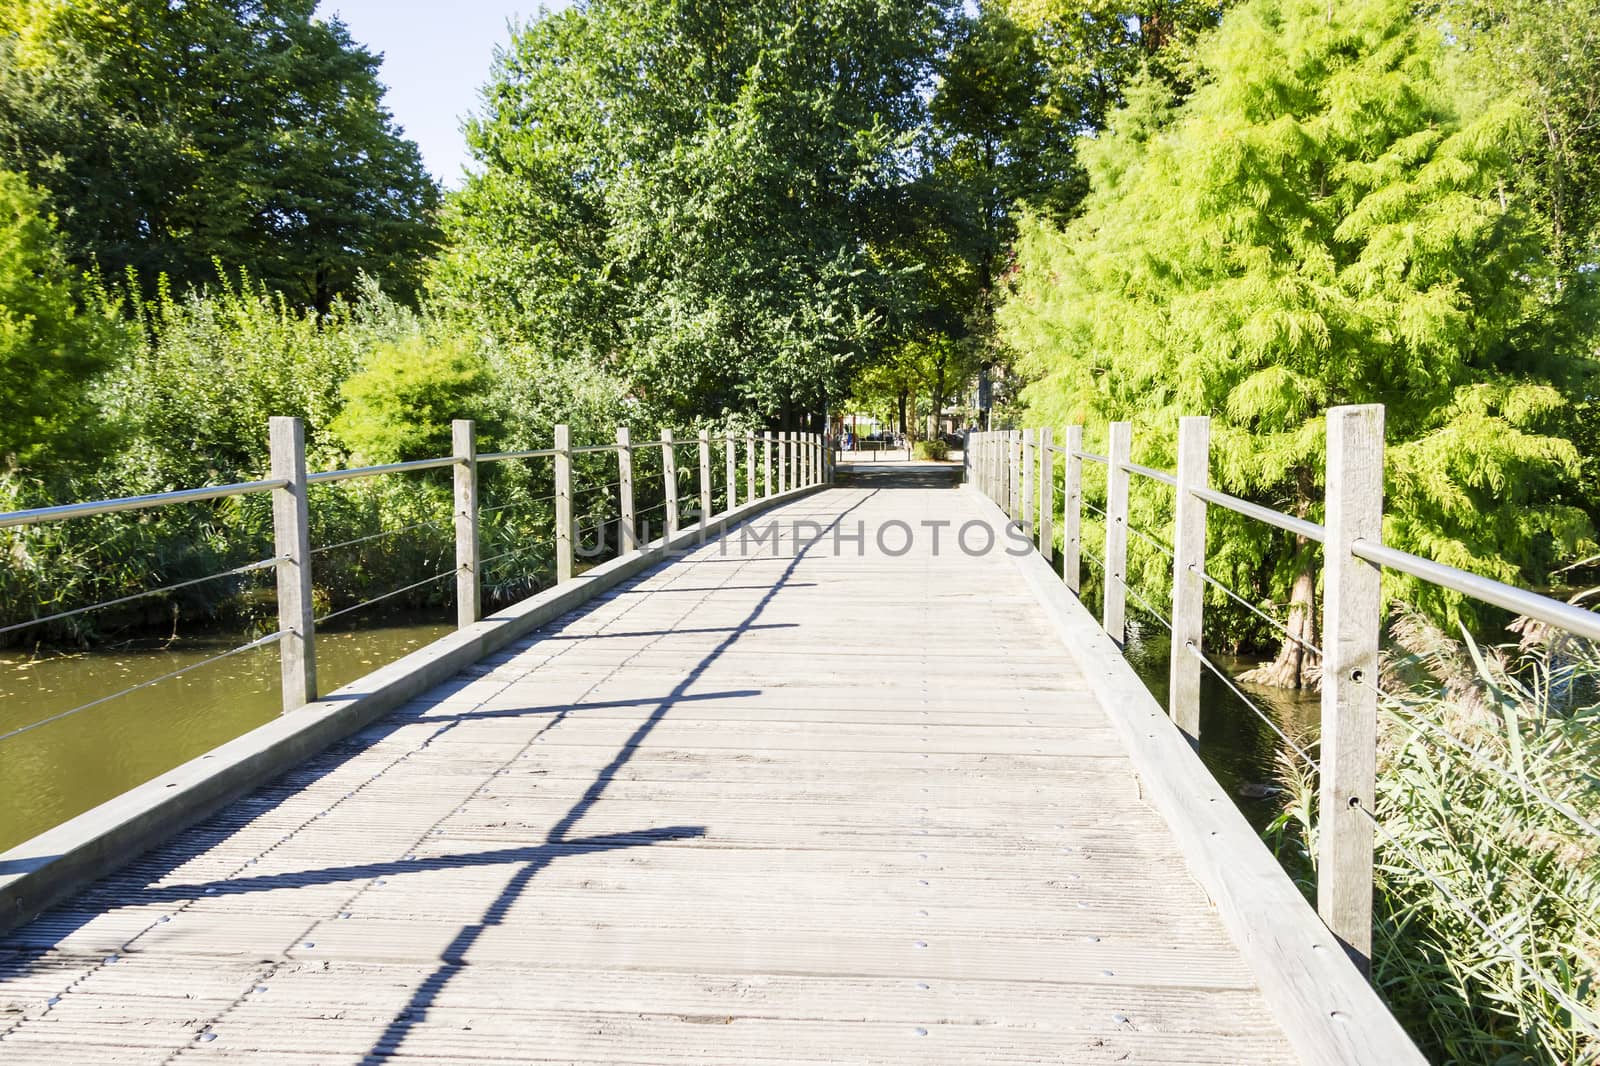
1282, 630
391, 594
1131, 591
516, 504
999, 461
1222, 675
260, 564
437, 523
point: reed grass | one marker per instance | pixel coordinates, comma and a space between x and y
1487, 923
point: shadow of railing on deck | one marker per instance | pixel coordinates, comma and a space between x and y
453, 957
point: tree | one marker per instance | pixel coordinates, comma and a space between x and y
242, 131
50, 350
699, 196
1321, 222
1019, 83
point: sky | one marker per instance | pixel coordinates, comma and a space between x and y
436, 57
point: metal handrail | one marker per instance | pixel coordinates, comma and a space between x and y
1151, 473
1520, 601
322, 477
1551, 611
1309, 530
35, 515
534, 453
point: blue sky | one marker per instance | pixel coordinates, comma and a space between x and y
436, 57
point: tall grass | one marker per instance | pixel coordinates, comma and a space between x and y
1487, 923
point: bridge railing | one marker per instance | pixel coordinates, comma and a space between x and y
773, 464
1017, 469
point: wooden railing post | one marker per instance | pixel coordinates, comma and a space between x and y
731, 471
705, 477
985, 467
628, 540
1025, 476
1116, 557
291, 530
1018, 463
991, 466
766, 463
1188, 563
1008, 463
669, 480
469, 604
1047, 493
785, 458
1352, 623
1000, 447
563, 465
750, 465
1072, 510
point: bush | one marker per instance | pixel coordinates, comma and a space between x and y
400, 405
936, 450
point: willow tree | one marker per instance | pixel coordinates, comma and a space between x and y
1324, 220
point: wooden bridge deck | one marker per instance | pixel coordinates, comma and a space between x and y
828, 808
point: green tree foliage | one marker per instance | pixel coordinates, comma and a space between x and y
1323, 221
50, 350
249, 132
1547, 55
399, 406
698, 195
1095, 50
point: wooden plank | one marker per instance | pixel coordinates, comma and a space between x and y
658, 832
1188, 563
1352, 626
463, 438
291, 526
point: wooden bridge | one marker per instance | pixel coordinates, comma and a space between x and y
844, 774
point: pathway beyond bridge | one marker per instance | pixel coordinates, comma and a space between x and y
828, 804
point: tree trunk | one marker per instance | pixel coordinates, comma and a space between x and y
1296, 665
902, 400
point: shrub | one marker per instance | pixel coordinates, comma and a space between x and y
936, 450
400, 405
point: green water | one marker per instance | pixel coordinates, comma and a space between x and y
1237, 747
62, 769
